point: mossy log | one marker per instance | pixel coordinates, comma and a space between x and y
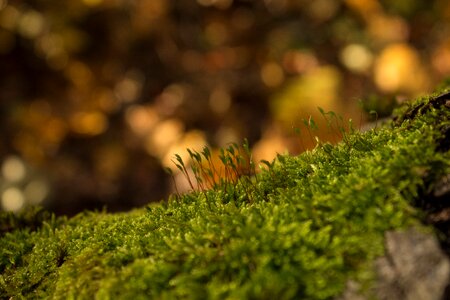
303, 228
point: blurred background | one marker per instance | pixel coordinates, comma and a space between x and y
96, 96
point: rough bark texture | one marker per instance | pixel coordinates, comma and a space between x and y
414, 268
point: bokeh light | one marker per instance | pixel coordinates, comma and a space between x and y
97, 96
21, 185
357, 58
12, 199
13, 169
399, 69
36, 192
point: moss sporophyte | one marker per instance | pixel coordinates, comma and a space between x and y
299, 229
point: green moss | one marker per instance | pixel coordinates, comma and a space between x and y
299, 229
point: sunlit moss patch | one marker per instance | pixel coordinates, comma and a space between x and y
299, 229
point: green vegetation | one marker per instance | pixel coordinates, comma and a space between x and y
300, 228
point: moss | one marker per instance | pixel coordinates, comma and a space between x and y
299, 229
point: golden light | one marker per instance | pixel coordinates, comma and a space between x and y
141, 119
31, 24
13, 169
356, 58
163, 136
441, 58
272, 75
130, 87
194, 140
399, 69
301, 96
271, 144
12, 199
89, 123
